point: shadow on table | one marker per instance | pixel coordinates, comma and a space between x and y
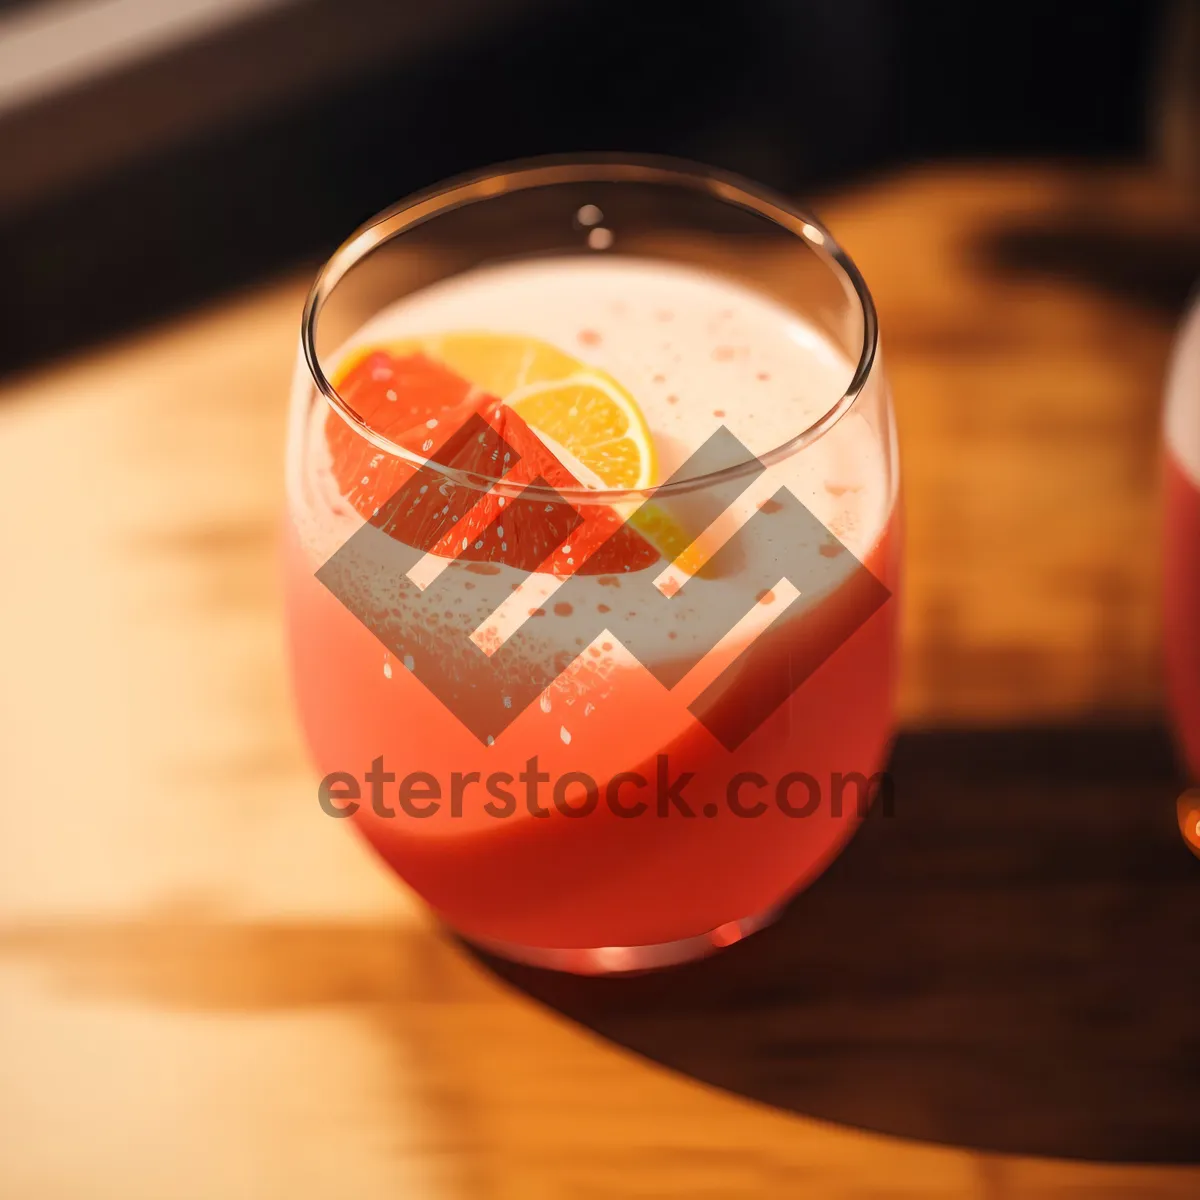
1011, 962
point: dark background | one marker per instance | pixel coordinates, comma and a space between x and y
261, 146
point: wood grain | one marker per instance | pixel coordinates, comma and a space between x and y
206, 991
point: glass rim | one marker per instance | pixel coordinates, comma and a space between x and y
528, 173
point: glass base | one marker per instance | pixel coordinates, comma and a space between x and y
624, 960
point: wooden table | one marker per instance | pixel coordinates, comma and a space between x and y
207, 991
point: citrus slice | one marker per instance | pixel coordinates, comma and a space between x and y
501, 363
580, 408
596, 421
409, 399
440, 416
443, 378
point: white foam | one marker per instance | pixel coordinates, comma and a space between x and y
1183, 397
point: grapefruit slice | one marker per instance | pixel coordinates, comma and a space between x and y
437, 414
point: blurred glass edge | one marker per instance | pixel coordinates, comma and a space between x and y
58, 43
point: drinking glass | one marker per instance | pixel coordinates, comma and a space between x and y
624, 732
1181, 539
